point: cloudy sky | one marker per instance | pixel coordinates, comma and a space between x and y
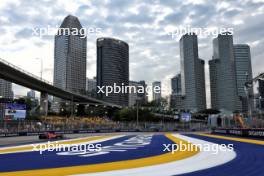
144, 25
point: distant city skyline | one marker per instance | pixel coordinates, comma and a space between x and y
154, 54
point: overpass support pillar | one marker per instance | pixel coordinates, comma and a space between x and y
44, 101
72, 107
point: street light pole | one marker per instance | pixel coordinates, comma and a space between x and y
260, 103
137, 113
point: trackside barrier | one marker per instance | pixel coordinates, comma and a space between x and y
259, 133
30, 128
63, 132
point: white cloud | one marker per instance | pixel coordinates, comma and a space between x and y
153, 54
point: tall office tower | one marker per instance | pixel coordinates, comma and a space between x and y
69, 59
192, 74
113, 67
223, 75
70, 56
156, 91
143, 96
176, 84
176, 99
261, 94
6, 89
243, 74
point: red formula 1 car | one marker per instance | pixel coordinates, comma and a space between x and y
50, 135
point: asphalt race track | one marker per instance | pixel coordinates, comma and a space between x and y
136, 154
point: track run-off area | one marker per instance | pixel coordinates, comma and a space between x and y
136, 154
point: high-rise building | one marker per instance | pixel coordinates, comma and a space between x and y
133, 95
176, 99
223, 75
6, 89
113, 67
156, 91
144, 95
192, 74
176, 84
243, 74
70, 57
139, 95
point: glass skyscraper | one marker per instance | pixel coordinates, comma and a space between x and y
222, 75
156, 95
113, 67
243, 74
192, 74
176, 84
70, 58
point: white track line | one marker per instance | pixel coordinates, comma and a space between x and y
200, 161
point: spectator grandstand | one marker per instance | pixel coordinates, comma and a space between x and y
57, 123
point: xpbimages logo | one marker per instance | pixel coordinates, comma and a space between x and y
127, 89
183, 147
55, 146
51, 31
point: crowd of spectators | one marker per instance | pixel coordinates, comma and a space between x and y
56, 123
71, 123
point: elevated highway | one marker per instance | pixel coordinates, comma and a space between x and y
21, 77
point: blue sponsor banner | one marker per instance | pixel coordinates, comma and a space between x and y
15, 111
186, 117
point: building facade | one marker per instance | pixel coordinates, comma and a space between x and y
176, 84
144, 95
133, 96
6, 89
6, 93
222, 75
243, 74
139, 95
156, 95
113, 67
192, 74
177, 102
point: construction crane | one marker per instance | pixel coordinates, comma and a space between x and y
240, 121
248, 85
